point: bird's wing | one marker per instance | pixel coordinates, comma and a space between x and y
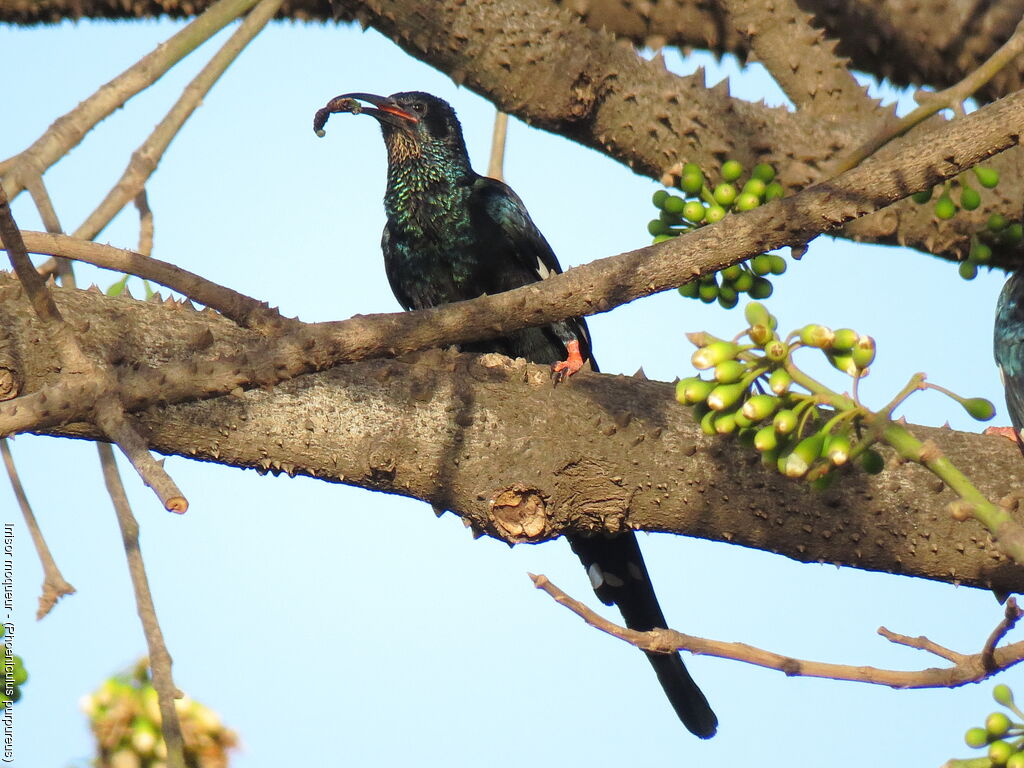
499, 209
396, 287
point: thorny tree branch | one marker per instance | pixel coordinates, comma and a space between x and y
966, 668
595, 287
108, 412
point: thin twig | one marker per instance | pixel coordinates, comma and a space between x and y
145, 224
37, 188
931, 103
497, 162
922, 643
159, 657
970, 670
242, 309
1011, 616
146, 158
68, 130
55, 586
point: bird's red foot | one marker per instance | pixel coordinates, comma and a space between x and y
1008, 432
572, 363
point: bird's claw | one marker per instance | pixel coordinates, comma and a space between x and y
573, 362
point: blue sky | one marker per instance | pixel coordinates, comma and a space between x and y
332, 626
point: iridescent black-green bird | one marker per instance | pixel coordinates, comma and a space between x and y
452, 235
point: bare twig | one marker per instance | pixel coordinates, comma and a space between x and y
970, 669
67, 131
145, 224
497, 162
145, 159
922, 643
159, 657
54, 584
1011, 616
245, 311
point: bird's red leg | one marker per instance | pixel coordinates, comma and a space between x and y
572, 363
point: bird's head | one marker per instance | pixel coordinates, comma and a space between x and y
416, 125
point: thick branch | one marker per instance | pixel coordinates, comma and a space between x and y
493, 441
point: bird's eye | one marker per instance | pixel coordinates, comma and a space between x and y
419, 108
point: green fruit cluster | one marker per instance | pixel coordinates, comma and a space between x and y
1002, 737
15, 675
969, 198
124, 715
998, 233
701, 204
751, 393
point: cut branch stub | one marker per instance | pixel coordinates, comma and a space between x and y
519, 514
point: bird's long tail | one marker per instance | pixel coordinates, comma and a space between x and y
619, 576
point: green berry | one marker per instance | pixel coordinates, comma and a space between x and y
766, 439
714, 214
747, 201
996, 222
969, 198
823, 481
864, 352
837, 449
979, 408
980, 252
784, 422
780, 381
778, 264
761, 289
923, 196
727, 297
674, 204
694, 211
1003, 695
755, 186
843, 361
945, 208
707, 423
760, 407
774, 191
744, 281
987, 177
725, 194
712, 354
997, 724
693, 390
760, 334
968, 270
659, 198
708, 292
1000, 751
776, 350
757, 313
690, 289
871, 461
763, 172
724, 396
803, 455
731, 273
731, 170
1013, 234
670, 218
1016, 760
976, 737
815, 335
761, 264
730, 371
725, 423
657, 227
692, 183
844, 339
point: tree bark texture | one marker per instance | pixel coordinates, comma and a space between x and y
493, 441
